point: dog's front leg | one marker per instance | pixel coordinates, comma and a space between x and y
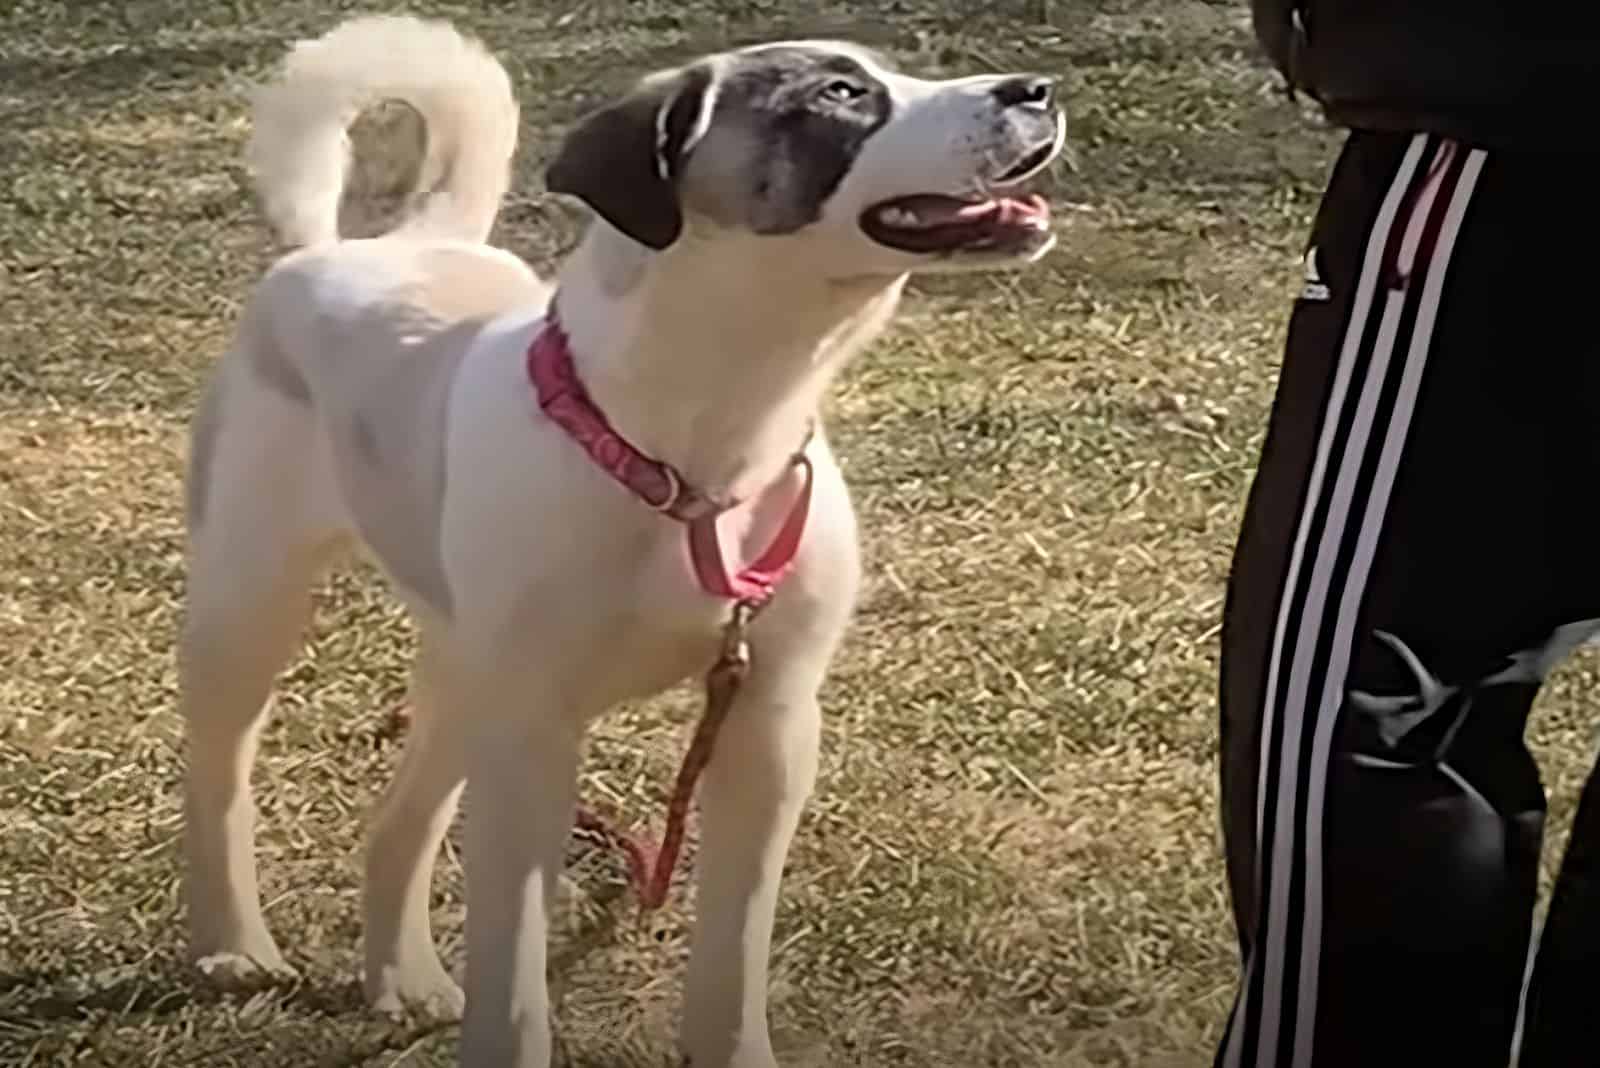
522, 767
751, 799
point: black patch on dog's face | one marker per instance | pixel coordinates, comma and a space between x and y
808, 112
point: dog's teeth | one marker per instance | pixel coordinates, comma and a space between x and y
899, 216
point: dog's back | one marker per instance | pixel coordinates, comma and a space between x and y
342, 362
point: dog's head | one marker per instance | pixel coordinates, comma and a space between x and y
855, 165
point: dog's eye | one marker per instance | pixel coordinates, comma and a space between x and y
843, 90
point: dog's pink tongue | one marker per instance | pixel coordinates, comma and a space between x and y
1033, 210
932, 209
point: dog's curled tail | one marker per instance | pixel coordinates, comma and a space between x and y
300, 151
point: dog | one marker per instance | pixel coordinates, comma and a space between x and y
755, 215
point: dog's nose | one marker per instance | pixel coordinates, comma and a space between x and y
1026, 91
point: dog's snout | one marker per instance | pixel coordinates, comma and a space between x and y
1033, 91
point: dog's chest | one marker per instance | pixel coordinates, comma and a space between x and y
634, 648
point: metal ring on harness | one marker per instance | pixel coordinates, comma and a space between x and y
674, 490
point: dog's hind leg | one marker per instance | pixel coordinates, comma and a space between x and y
253, 555
403, 971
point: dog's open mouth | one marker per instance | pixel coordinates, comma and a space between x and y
932, 222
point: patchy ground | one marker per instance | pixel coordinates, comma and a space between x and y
1013, 856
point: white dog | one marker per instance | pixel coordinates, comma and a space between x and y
758, 212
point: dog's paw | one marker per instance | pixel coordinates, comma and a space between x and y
241, 973
434, 997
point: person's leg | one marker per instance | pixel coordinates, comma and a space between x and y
1558, 1014
1557, 1027
1400, 583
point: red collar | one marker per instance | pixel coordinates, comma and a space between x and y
564, 400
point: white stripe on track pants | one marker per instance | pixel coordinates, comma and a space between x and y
1415, 557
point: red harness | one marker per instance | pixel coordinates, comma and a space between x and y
564, 400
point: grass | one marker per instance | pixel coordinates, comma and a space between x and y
1013, 856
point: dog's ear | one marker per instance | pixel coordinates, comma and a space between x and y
624, 159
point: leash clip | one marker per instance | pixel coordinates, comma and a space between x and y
735, 655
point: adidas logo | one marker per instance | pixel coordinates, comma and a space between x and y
1314, 288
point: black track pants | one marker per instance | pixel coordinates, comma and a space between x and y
1416, 555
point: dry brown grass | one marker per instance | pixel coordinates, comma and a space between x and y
1012, 859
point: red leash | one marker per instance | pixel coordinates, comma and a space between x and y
564, 400
649, 868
